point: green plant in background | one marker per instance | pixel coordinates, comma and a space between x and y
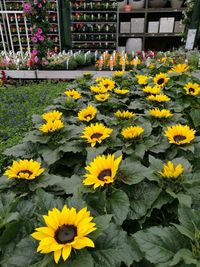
126, 163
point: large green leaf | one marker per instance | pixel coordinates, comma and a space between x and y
160, 244
132, 172
50, 156
92, 152
186, 256
102, 223
114, 248
118, 204
195, 116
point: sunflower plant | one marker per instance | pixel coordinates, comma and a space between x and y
112, 179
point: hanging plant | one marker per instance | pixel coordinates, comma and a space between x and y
37, 12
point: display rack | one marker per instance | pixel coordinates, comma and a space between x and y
14, 5
151, 38
94, 25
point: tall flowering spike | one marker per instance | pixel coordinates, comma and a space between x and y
170, 171
24, 169
87, 114
180, 134
96, 133
102, 170
65, 230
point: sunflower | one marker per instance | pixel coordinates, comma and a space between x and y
107, 84
96, 133
171, 171
102, 97
125, 114
136, 61
180, 134
98, 89
119, 74
52, 115
64, 230
51, 126
24, 169
152, 65
121, 91
163, 113
132, 132
158, 98
142, 79
192, 88
180, 68
160, 79
87, 114
102, 170
151, 90
99, 79
73, 94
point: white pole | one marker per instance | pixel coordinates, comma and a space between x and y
10, 35
19, 37
2, 37
27, 37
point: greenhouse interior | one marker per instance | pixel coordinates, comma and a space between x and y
99, 133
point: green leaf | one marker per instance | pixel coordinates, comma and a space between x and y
82, 259
160, 244
113, 248
47, 201
132, 172
118, 204
23, 255
92, 152
195, 116
102, 223
9, 233
16, 151
184, 255
72, 146
142, 198
50, 156
70, 185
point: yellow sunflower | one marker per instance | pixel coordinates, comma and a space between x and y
142, 79
51, 126
158, 98
163, 113
96, 133
52, 115
180, 134
136, 61
180, 68
119, 74
64, 230
192, 88
99, 79
102, 170
121, 91
102, 97
151, 90
73, 94
160, 79
171, 171
152, 65
24, 169
107, 84
98, 89
132, 132
87, 114
125, 114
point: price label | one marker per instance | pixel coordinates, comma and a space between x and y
190, 39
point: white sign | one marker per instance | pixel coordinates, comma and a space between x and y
190, 39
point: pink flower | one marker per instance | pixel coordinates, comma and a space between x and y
26, 7
35, 2
40, 31
39, 5
41, 38
37, 35
34, 39
36, 59
34, 52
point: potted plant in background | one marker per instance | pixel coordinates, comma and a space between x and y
127, 7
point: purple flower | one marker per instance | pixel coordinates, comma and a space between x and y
34, 39
34, 52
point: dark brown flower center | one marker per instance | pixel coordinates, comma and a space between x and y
24, 172
88, 116
96, 135
106, 85
65, 234
104, 173
160, 81
178, 138
191, 90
